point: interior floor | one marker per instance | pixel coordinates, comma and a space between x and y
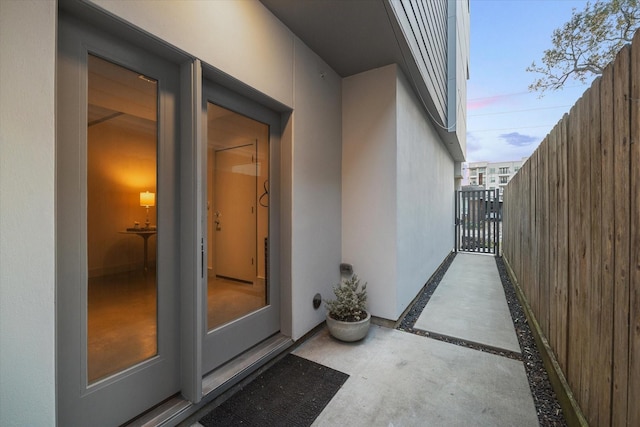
122, 313
121, 317
229, 299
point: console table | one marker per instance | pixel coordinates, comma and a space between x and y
145, 233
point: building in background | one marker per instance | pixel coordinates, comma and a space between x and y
492, 175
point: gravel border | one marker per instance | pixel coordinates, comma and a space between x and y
547, 405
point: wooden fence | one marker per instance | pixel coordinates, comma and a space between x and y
572, 240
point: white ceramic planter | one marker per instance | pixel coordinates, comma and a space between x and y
348, 331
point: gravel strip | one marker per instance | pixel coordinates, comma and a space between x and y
547, 406
407, 322
549, 410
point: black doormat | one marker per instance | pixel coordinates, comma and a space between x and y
292, 392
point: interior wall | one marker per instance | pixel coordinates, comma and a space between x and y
121, 163
27, 228
369, 184
316, 203
425, 197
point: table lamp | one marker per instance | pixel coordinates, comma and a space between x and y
147, 199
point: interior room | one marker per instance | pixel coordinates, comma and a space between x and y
237, 215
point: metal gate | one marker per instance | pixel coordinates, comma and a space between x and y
478, 219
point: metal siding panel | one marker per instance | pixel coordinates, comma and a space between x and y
427, 27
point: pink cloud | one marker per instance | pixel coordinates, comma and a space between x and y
478, 103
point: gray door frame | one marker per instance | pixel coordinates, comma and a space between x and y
189, 223
177, 366
228, 341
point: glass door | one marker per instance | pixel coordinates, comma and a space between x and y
242, 303
122, 291
117, 295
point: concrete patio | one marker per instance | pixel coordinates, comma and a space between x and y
403, 379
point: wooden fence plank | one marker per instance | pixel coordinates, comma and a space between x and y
607, 231
562, 278
573, 188
594, 233
634, 238
543, 236
553, 297
532, 282
584, 254
526, 250
621, 248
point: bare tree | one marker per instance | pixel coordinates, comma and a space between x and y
584, 45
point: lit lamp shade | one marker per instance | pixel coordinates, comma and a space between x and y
147, 199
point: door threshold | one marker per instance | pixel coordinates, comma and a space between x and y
177, 409
237, 369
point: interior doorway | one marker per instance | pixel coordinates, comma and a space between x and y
242, 303
237, 152
234, 212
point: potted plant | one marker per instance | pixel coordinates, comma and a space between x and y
347, 318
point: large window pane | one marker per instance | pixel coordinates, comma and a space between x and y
121, 216
238, 215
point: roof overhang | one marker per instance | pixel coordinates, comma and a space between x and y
354, 36
351, 36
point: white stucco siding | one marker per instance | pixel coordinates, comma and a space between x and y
316, 204
27, 245
369, 184
240, 38
425, 198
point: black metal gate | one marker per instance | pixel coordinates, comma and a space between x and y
478, 219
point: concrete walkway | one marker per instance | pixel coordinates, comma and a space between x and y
402, 379
469, 303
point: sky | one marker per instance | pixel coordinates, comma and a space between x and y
504, 120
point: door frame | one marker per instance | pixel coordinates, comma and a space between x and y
221, 95
190, 164
161, 372
243, 273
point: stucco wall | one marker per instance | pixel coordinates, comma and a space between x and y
27, 256
240, 38
369, 184
398, 181
425, 197
317, 153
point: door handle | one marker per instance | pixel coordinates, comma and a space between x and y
218, 215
